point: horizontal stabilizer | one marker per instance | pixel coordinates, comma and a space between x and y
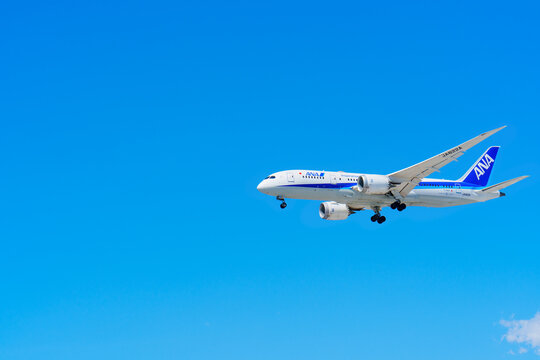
504, 184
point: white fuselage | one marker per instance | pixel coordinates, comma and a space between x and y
341, 187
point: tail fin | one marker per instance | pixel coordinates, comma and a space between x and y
479, 173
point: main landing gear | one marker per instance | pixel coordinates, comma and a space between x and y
283, 204
378, 217
398, 205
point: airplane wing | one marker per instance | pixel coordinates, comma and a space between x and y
405, 180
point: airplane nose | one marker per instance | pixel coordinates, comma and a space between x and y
262, 187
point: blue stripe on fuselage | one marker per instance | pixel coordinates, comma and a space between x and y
324, 185
452, 184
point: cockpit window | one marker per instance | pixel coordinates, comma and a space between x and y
272, 177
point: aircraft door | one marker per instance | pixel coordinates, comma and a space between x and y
290, 176
458, 189
333, 179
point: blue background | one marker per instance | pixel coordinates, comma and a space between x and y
134, 135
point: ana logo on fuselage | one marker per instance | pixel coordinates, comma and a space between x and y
312, 173
482, 166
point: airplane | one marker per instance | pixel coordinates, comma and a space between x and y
345, 193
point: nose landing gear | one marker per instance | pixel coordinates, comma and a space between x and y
283, 204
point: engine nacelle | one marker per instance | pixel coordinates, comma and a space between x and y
373, 184
331, 210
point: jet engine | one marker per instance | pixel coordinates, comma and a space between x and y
331, 210
373, 184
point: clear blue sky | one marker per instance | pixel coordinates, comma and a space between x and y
134, 135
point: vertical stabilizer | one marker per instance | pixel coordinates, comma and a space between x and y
479, 173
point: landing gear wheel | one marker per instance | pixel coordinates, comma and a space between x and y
394, 205
375, 217
401, 207
283, 205
381, 219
